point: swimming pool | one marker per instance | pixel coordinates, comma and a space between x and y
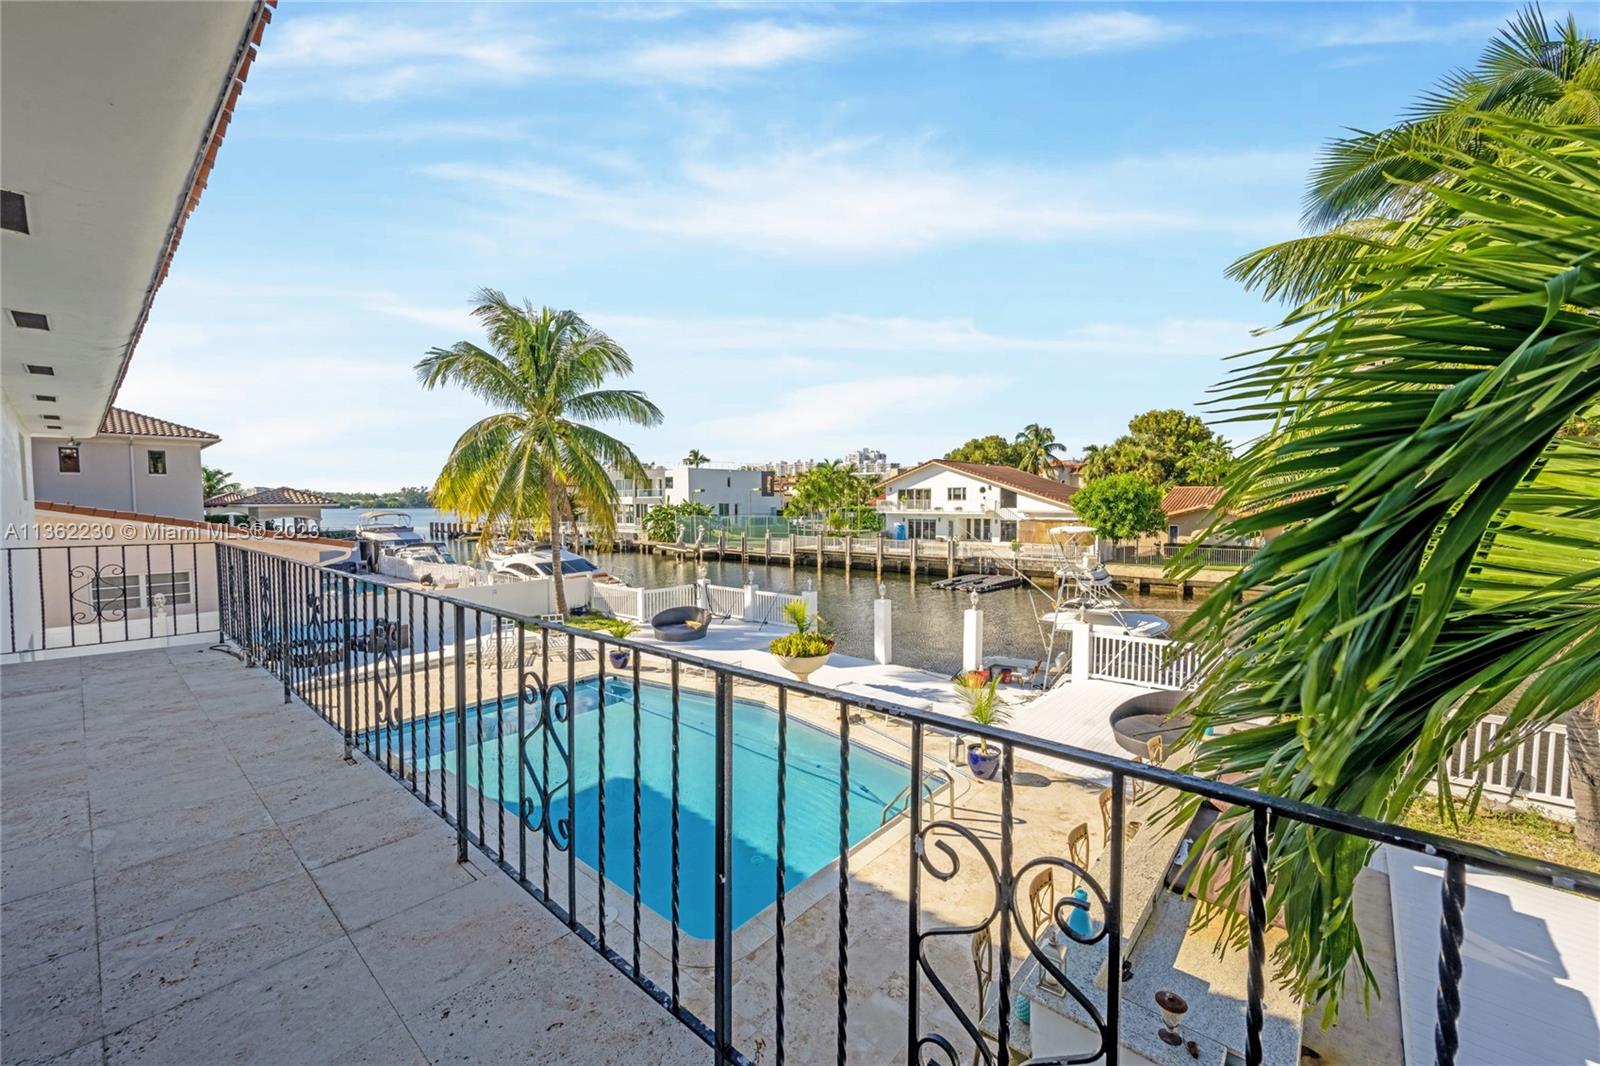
811, 797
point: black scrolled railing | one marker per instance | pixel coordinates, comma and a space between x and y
82, 596
488, 696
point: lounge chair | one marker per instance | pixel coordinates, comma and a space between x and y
680, 624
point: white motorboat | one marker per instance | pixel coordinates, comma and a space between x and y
1087, 594
539, 562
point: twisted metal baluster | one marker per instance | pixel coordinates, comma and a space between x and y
1448, 1001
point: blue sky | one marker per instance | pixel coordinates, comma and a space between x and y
814, 227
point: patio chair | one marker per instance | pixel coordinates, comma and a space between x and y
1041, 902
1078, 849
1129, 828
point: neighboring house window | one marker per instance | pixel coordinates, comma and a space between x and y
958, 492
722, 508
1172, 534
67, 460
1008, 530
157, 461
668, 482
1008, 498
730, 482
922, 528
916, 497
130, 592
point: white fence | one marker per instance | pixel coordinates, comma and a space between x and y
1150, 661
728, 601
1537, 770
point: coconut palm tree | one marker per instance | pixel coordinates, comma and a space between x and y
214, 481
1441, 555
695, 458
1037, 448
1532, 69
536, 458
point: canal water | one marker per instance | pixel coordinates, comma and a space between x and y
927, 621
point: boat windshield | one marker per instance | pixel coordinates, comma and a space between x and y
577, 565
386, 520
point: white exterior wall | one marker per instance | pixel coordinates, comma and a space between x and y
740, 490
115, 473
16, 468
950, 516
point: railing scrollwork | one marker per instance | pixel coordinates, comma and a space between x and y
550, 707
1005, 894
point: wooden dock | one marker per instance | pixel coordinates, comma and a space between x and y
942, 558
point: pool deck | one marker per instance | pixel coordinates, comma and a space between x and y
193, 874
1074, 713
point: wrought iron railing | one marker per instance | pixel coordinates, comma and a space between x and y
62, 598
642, 794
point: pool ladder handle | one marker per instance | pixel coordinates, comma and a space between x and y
905, 794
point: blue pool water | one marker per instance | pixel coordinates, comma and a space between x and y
811, 800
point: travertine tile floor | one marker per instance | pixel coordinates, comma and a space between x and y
193, 874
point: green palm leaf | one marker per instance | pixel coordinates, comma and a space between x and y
1442, 549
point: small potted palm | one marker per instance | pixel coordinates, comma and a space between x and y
808, 647
984, 707
622, 629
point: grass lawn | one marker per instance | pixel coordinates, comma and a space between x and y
1509, 829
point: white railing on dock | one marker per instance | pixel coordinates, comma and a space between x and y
1538, 770
1150, 661
654, 601
725, 601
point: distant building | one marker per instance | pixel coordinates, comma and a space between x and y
279, 508
974, 501
135, 463
1067, 471
726, 492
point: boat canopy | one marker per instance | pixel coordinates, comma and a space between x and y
1071, 531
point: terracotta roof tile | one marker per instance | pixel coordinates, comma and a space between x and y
217, 530
1010, 477
125, 423
1181, 499
283, 496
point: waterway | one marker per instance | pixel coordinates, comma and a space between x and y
927, 621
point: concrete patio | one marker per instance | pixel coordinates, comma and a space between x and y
193, 874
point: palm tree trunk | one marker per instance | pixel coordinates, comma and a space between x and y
1583, 754
552, 493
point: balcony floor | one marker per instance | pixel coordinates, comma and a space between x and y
192, 873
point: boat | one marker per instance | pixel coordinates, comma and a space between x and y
391, 533
539, 562
1086, 594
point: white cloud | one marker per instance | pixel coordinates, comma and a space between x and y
748, 47
829, 417
854, 197
1403, 26
1076, 34
374, 56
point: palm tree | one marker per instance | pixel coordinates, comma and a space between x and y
1440, 557
536, 458
1532, 69
214, 481
1037, 448
695, 458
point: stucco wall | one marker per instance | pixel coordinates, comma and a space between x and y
115, 473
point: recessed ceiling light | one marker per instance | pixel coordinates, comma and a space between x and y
35, 368
30, 320
42, 398
13, 211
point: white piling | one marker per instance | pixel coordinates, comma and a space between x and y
972, 637
882, 628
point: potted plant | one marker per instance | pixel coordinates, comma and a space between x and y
808, 647
622, 629
985, 708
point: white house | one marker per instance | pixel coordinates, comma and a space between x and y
726, 492
974, 501
135, 463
